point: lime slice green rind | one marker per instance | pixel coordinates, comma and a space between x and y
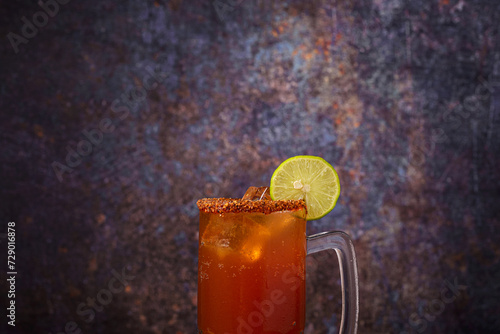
311, 172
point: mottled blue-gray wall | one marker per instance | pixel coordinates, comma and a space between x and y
202, 99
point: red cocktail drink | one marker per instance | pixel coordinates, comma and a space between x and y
251, 266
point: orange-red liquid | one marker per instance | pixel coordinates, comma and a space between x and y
251, 273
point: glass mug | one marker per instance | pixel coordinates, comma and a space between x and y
251, 267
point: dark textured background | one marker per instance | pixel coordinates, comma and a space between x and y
402, 97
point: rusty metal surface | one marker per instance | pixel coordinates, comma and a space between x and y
117, 116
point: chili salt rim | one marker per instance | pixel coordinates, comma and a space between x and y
237, 205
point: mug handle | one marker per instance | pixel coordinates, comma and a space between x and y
342, 244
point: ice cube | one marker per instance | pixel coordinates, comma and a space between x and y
224, 233
254, 242
257, 194
244, 235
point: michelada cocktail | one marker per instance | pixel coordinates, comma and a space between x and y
251, 260
252, 251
